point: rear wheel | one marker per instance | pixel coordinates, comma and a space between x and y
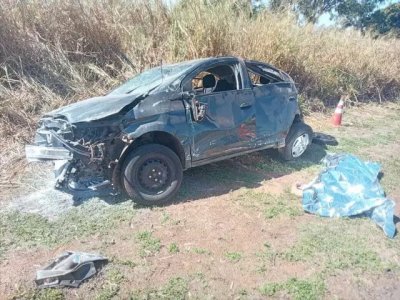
297, 141
152, 174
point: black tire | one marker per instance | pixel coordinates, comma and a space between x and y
298, 129
151, 174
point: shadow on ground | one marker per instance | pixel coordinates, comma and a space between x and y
219, 178
247, 171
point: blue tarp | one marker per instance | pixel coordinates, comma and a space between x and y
348, 187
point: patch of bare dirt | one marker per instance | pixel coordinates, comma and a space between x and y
204, 230
216, 226
345, 285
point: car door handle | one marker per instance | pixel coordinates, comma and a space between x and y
245, 105
292, 99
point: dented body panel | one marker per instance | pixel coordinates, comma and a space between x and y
94, 108
276, 107
239, 114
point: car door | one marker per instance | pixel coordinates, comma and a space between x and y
272, 111
275, 103
246, 119
217, 133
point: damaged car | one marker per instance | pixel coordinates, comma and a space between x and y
142, 136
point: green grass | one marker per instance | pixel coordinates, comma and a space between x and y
149, 245
266, 257
165, 217
124, 262
281, 208
173, 248
233, 256
175, 289
272, 206
29, 230
199, 250
243, 293
301, 289
367, 129
112, 284
273, 164
338, 244
391, 179
358, 144
42, 294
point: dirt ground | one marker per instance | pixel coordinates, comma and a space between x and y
236, 230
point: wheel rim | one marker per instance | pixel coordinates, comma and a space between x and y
300, 145
154, 176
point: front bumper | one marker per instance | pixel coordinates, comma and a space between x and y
42, 153
74, 163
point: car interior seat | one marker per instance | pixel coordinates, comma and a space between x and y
223, 85
208, 83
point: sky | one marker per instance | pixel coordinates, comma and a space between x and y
325, 20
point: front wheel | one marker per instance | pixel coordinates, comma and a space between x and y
297, 141
152, 174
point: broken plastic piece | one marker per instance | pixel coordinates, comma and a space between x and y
324, 139
69, 269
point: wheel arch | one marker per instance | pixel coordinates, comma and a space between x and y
152, 137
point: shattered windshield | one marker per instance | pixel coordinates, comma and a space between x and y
151, 78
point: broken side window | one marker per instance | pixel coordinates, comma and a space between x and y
261, 74
257, 79
216, 79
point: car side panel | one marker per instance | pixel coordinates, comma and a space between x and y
275, 106
215, 134
170, 116
246, 119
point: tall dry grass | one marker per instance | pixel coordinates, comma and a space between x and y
54, 52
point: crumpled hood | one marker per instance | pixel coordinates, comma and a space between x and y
94, 108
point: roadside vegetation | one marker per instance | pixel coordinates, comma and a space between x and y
239, 231
58, 52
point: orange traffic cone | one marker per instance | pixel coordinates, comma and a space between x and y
337, 115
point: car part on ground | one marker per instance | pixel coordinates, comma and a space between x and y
248, 106
324, 139
69, 269
349, 187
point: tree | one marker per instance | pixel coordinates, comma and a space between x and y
385, 21
355, 13
313, 9
310, 10
277, 5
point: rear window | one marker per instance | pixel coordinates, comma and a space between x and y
263, 74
